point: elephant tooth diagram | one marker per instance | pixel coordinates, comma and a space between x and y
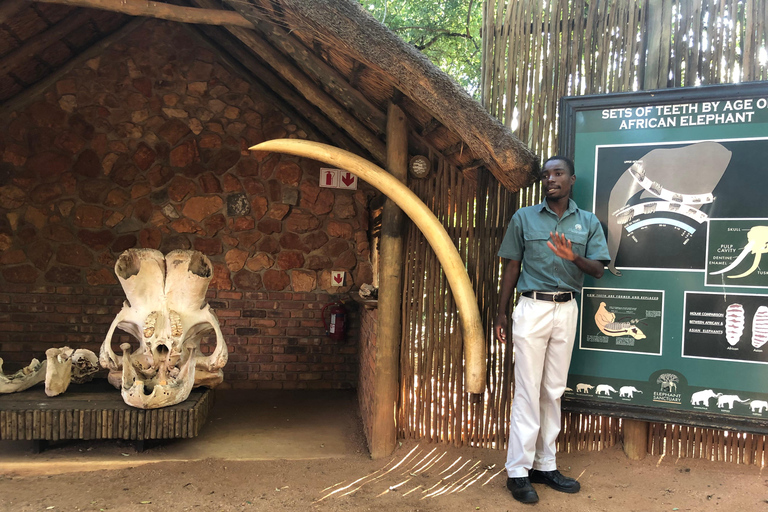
760, 327
734, 323
606, 322
665, 180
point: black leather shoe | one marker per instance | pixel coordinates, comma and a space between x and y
555, 480
522, 490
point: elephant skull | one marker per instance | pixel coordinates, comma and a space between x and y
166, 312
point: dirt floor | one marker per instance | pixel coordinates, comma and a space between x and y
418, 477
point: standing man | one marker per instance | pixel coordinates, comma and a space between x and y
549, 248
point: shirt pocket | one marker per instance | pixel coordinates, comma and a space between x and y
536, 249
578, 243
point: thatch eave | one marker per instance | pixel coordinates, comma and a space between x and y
346, 24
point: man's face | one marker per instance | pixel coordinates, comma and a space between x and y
556, 179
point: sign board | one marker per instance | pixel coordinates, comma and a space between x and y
337, 277
337, 178
329, 178
677, 328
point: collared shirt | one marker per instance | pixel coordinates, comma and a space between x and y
543, 271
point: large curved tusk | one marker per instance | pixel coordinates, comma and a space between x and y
744, 253
434, 232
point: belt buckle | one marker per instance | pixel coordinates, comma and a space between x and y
561, 297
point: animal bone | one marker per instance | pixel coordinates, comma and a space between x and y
164, 387
84, 365
59, 372
61, 366
166, 312
27, 377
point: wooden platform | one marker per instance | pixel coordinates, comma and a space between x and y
96, 410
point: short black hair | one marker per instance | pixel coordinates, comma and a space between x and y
568, 163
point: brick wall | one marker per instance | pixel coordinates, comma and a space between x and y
146, 145
366, 385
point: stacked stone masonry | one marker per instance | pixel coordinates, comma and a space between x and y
145, 145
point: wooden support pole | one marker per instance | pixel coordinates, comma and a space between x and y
386, 365
651, 79
161, 10
635, 439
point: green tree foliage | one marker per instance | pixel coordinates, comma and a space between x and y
447, 31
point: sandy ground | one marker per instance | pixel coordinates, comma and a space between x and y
417, 477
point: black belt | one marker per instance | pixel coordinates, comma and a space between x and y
549, 297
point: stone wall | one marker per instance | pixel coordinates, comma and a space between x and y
146, 145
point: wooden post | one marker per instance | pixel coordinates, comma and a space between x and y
386, 365
651, 79
635, 439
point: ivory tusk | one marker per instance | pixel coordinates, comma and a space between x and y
747, 249
434, 232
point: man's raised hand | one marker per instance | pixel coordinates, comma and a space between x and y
561, 246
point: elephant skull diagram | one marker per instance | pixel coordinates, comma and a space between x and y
757, 244
166, 312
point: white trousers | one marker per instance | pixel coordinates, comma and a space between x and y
543, 334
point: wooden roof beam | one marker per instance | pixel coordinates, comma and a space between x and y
331, 80
43, 40
322, 100
9, 8
431, 126
161, 10
252, 67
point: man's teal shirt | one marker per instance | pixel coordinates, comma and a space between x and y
543, 271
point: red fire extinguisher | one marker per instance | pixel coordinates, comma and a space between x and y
335, 329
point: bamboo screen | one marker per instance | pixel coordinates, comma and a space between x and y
433, 404
536, 51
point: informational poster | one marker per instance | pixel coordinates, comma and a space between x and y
622, 320
725, 327
678, 325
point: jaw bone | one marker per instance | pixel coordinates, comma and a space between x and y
27, 377
166, 312
61, 366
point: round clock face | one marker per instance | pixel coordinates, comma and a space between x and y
419, 166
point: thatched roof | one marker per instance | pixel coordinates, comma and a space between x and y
333, 63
